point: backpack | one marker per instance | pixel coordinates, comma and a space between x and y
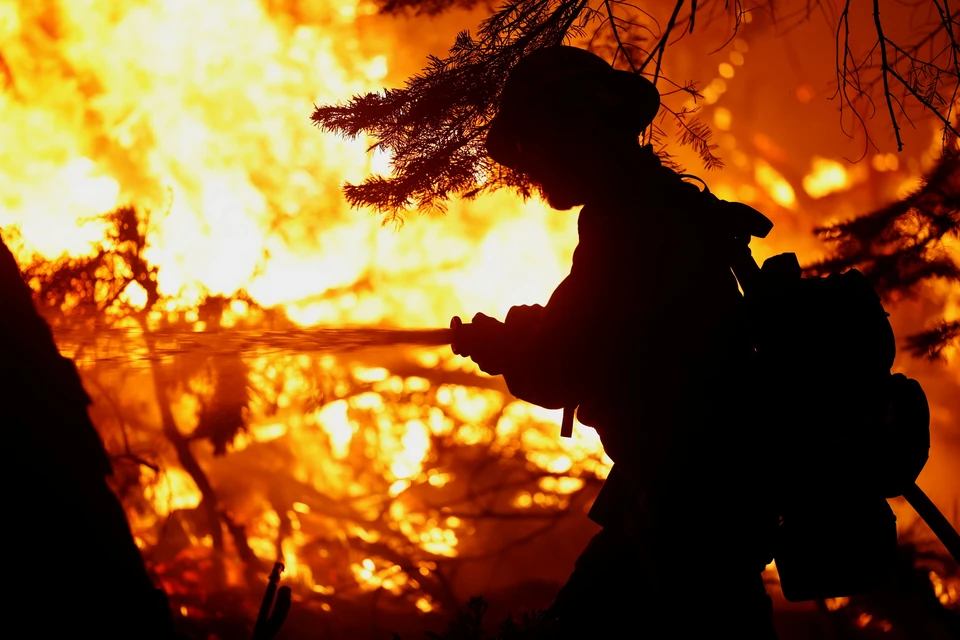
844, 432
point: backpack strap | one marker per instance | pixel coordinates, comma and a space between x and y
738, 222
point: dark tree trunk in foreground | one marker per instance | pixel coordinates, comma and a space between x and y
70, 558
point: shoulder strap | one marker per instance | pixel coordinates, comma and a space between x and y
738, 223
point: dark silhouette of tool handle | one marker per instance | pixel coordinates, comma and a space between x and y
937, 522
279, 599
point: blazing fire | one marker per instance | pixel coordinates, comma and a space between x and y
367, 472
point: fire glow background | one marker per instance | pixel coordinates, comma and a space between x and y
390, 481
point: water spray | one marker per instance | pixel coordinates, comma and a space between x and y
131, 345
122, 344
134, 345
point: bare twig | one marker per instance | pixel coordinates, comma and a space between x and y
616, 35
662, 44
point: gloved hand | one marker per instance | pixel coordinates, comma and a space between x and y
491, 343
525, 316
486, 341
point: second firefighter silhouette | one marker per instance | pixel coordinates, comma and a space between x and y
647, 335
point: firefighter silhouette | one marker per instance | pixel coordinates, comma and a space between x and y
647, 336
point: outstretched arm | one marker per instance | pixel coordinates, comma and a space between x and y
553, 358
547, 354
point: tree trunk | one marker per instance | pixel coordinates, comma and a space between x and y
73, 566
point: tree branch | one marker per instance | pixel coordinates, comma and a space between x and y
662, 44
884, 70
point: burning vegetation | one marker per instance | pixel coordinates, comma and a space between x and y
182, 230
369, 474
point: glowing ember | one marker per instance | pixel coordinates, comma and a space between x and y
947, 591
834, 604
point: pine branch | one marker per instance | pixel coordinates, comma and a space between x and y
694, 133
905, 244
912, 228
932, 343
434, 128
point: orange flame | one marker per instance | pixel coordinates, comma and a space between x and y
198, 113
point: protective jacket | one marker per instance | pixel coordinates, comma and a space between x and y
648, 335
